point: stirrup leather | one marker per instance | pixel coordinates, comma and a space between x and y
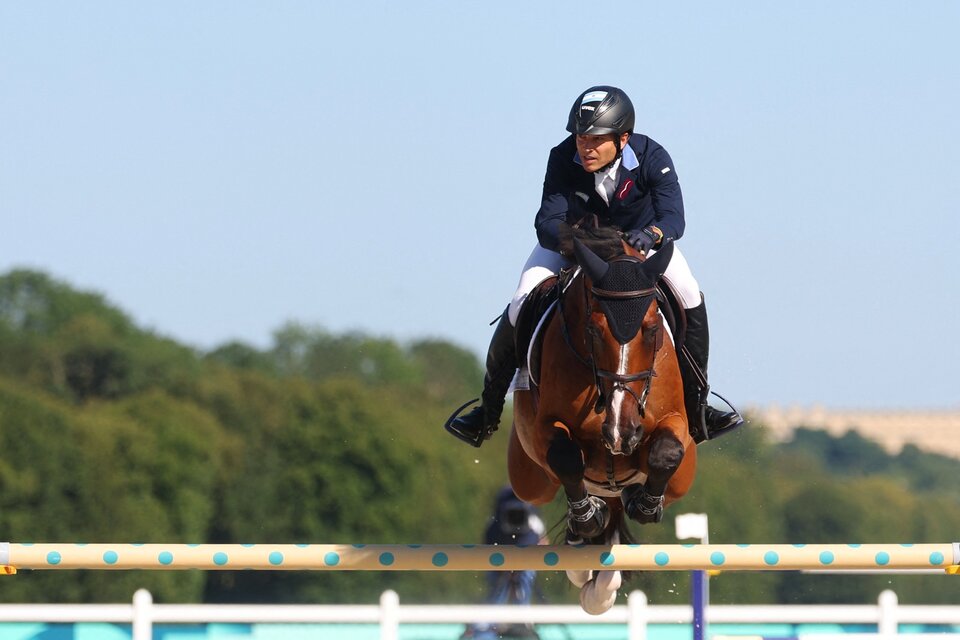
697, 422
735, 419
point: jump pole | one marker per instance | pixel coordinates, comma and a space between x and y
453, 557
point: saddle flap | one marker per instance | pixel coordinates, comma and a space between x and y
537, 304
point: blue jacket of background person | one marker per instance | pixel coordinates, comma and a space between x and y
647, 193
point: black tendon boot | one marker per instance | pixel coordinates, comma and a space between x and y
705, 421
482, 421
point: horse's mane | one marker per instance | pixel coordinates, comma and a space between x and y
606, 242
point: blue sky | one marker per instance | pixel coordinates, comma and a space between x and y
217, 169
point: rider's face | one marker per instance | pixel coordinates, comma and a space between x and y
597, 151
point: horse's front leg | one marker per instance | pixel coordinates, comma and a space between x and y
586, 514
644, 503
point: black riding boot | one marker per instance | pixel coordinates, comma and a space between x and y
482, 421
705, 421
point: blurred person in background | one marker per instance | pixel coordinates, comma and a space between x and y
513, 522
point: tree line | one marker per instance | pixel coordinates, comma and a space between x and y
113, 433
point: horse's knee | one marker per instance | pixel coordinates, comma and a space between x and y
666, 453
566, 458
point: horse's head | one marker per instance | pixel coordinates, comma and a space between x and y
623, 333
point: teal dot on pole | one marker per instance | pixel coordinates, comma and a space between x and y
275, 558
662, 559
54, 557
883, 558
826, 557
551, 559
110, 557
220, 558
386, 558
607, 559
936, 558
165, 558
496, 559
440, 559
717, 558
771, 558
331, 559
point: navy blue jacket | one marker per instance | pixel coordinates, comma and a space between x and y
648, 192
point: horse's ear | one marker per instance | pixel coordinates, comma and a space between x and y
655, 265
595, 266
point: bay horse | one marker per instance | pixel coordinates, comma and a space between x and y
606, 420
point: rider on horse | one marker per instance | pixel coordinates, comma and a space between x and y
626, 180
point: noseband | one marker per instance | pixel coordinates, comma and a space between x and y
620, 380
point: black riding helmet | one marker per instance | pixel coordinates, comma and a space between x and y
601, 110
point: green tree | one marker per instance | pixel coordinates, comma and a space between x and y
112, 433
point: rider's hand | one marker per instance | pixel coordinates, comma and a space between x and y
645, 239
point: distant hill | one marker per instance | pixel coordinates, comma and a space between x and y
935, 431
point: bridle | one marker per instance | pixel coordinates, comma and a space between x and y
620, 380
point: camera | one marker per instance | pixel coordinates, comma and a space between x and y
515, 518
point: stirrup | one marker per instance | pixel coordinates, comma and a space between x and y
473, 439
736, 420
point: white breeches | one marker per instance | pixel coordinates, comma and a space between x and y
544, 263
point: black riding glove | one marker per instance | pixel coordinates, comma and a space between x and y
645, 239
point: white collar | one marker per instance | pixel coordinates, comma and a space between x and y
611, 173
605, 182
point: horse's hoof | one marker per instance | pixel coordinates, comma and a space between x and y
588, 521
579, 578
609, 580
640, 506
599, 595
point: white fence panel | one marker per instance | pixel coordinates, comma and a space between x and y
142, 614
